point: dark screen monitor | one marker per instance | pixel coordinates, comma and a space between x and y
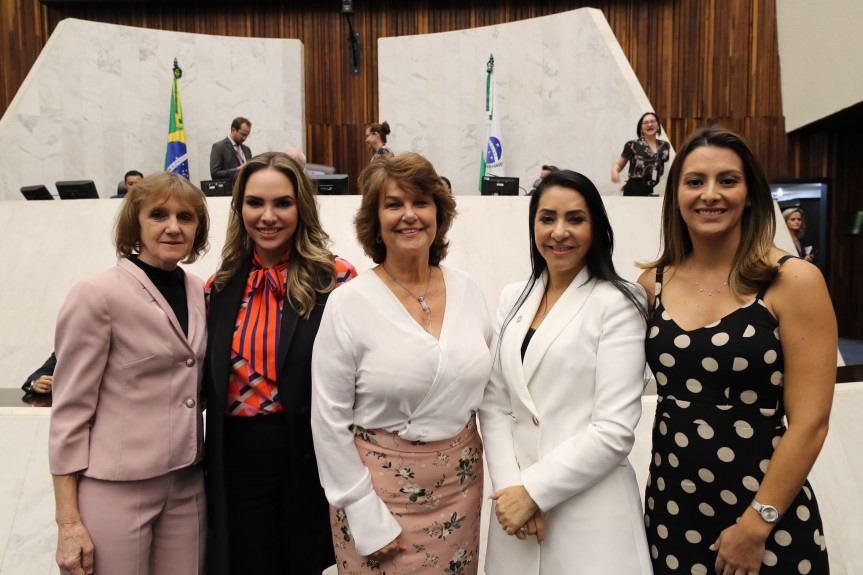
331, 184
39, 192
216, 187
499, 186
77, 190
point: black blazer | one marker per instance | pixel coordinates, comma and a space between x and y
46, 369
313, 549
224, 163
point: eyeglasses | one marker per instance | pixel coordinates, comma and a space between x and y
649, 122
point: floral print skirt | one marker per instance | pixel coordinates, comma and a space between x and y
434, 490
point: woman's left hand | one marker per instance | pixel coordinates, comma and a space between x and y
738, 551
514, 507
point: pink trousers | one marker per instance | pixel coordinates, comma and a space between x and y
150, 526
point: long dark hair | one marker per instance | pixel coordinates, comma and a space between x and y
598, 259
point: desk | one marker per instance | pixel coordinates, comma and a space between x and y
28, 533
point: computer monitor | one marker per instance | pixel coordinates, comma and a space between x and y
499, 186
39, 192
216, 187
331, 185
77, 190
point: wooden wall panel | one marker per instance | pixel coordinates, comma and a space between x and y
700, 62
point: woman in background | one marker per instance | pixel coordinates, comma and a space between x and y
646, 156
796, 223
268, 514
126, 433
735, 350
376, 139
399, 368
559, 414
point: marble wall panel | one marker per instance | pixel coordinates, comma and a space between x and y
51, 245
97, 101
566, 96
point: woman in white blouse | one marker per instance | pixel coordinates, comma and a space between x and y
559, 414
398, 371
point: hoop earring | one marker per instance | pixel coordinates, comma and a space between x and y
380, 239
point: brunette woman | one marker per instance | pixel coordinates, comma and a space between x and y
745, 371
646, 156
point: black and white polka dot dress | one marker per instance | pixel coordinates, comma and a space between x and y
718, 420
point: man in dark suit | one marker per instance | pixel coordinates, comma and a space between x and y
41, 380
228, 155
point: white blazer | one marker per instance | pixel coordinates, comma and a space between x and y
562, 423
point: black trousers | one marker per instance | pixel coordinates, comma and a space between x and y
637, 187
258, 503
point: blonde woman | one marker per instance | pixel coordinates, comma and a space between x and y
268, 514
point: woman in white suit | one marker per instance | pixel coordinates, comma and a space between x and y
559, 415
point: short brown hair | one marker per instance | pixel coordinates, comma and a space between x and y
413, 174
238, 122
161, 186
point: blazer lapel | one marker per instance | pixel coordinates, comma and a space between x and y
157, 296
224, 306
197, 324
516, 331
567, 307
290, 318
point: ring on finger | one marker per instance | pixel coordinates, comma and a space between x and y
523, 528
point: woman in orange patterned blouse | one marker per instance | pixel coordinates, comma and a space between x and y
267, 511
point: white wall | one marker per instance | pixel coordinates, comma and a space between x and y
820, 58
72, 240
97, 100
566, 96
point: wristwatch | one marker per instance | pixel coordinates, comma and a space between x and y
768, 512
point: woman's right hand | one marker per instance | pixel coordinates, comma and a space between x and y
74, 549
390, 550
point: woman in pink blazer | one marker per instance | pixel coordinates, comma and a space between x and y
126, 425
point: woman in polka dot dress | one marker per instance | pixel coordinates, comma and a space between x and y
734, 351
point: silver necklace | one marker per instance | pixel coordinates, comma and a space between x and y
709, 292
426, 317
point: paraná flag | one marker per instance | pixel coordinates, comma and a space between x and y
492, 153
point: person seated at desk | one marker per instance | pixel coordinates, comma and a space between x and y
129, 180
300, 157
228, 155
544, 171
41, 380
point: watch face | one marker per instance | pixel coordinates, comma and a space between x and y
769, 514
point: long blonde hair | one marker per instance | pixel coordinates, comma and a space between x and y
752, 267
312, 269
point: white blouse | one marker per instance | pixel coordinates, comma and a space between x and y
374, 366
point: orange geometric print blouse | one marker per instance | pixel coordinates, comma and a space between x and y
252, 387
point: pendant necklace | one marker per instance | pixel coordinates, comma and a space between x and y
426, 317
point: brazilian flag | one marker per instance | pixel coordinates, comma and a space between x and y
176, 158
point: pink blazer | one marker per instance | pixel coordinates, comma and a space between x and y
127, 384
